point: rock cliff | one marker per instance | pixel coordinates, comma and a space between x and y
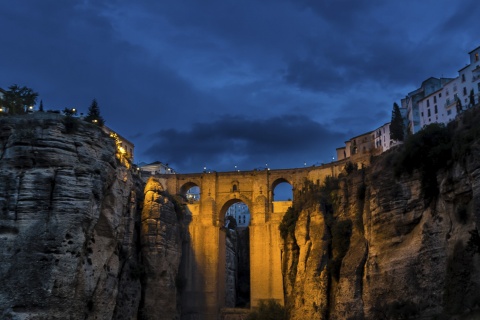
68, 247
375, 247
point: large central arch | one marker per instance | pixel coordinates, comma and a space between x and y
206, 254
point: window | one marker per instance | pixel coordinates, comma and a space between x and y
449, 112
428, 103
464, 91
436, 110
463, 77
434, 99
476, 56
446, 93
440, 95
454, 88
428, 112
422, 113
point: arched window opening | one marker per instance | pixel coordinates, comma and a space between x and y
283, 192
234, 188
191, 192
237, 216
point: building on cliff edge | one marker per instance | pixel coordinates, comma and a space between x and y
437, 100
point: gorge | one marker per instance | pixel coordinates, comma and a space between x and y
84, 237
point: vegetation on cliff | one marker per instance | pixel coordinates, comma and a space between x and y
437, 147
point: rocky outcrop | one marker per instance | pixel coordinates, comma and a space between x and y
404, 257
68, 246
163, 235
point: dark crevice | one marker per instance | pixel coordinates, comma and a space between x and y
19, 187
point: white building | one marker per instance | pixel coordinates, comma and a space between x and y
443, 105
241, 214
155, 168
411, 101
382, 137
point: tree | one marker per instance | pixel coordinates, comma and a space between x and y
18, 99
396, 125
41, 106
93, 115
459, 105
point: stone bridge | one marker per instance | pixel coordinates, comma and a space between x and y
205, 262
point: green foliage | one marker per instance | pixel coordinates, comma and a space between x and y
397, 127
289, 221
310, 196
428, 151
468, 131
69, 112
93, 115
269, 310
17, 99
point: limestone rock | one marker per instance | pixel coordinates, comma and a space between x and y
405, 258
67, 217
161, 251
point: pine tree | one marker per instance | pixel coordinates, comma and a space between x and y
93, 115
17, 99
41, 106
396, 125
472, 98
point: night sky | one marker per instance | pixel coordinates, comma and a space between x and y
227, 83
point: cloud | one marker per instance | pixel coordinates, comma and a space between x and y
248, 143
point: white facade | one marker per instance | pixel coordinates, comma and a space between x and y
412, 100
443, 105
382, 137
241, 214
155, 168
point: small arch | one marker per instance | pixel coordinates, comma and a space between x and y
190, 191
235, 186
238, 210
282, 190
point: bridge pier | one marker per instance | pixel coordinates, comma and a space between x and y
266, 280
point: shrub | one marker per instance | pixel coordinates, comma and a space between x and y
289, 221
427, 151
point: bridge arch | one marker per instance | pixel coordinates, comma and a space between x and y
229, 200
283, 192
193, 196
207, 235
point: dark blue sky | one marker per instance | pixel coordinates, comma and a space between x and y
222, 83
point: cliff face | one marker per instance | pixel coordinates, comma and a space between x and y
386, 253
162, 239
67, 222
